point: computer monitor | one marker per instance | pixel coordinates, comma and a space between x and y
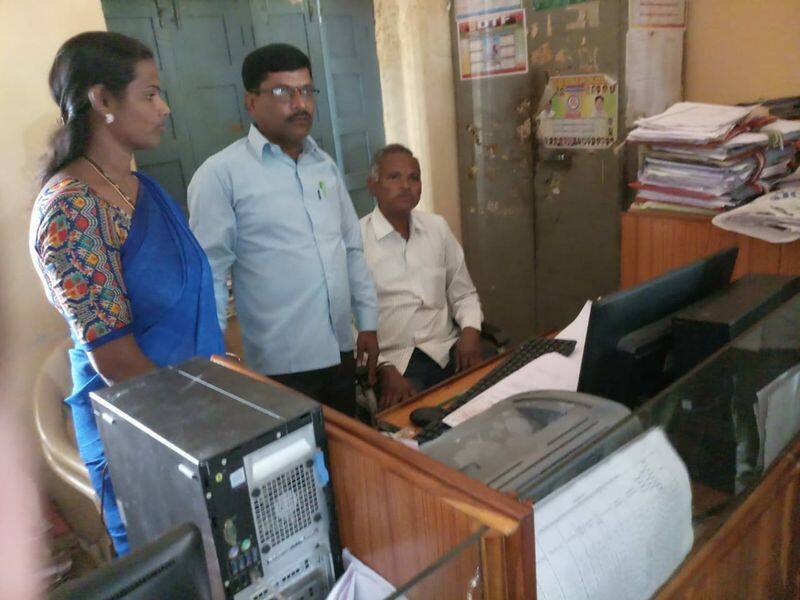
627, 342
172, 567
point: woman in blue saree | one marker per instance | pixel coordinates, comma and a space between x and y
113, 251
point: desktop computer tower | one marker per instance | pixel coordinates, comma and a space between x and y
243, 460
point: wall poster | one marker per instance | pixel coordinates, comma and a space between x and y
492, 45
473, 8
579, 111
548, 4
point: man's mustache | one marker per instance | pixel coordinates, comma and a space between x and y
299, 115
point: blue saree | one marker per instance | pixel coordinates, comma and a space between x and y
169, 285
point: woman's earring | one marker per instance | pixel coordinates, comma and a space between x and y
109, 118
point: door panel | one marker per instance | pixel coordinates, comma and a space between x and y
290, 22
209, 44
495, 168
171, 162
351, 68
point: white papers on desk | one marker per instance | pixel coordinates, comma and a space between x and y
778, 415
551, 371
773, 217
359, 582
620, 529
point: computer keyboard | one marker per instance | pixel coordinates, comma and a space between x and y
521, 356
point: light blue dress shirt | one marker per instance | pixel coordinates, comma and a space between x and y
290, 234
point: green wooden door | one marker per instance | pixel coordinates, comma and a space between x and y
199, 46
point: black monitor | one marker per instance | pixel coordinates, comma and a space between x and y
626, 355
172, 567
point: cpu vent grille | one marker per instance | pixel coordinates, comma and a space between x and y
287, 504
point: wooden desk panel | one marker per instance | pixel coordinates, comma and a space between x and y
755, 554
398, 415
655, 242
399, 511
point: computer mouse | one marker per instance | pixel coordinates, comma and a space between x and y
425, 415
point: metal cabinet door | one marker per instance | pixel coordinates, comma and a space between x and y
578, 193
540, 229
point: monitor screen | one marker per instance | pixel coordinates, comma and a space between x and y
643, 312
172, 567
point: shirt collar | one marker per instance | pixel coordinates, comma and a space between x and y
382, 227
260, 143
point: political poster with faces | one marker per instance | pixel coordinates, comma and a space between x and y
578, 111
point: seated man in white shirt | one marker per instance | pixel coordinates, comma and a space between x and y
422, 284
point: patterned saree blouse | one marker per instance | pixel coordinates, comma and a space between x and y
76, 239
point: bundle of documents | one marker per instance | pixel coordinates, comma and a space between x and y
707, 158
784, 108
695, 123
774, 217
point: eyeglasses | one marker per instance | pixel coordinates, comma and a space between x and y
284, 93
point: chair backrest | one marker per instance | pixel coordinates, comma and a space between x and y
54, 424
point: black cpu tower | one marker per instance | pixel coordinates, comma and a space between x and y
244, 460
704, 327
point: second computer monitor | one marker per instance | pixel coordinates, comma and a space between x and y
626, 342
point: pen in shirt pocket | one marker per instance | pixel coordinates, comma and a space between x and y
321, 191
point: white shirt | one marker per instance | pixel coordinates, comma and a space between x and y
422, 285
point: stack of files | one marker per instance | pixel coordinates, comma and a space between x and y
784, 108
707, 158
695, 123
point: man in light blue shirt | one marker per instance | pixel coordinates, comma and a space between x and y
272, 207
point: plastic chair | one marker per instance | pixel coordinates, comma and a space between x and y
54, 424
53, 421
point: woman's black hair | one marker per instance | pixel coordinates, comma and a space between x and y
90, 58
272, 58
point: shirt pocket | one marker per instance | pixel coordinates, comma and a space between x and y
326, 208
432, 286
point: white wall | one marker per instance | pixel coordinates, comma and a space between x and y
413, 39
30, 34
742, 50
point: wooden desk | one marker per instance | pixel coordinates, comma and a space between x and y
751, 551
654, 242
398, 415
399, 510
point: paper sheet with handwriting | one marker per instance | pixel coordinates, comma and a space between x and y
549, 372
778, 414
359, 582
619, 530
